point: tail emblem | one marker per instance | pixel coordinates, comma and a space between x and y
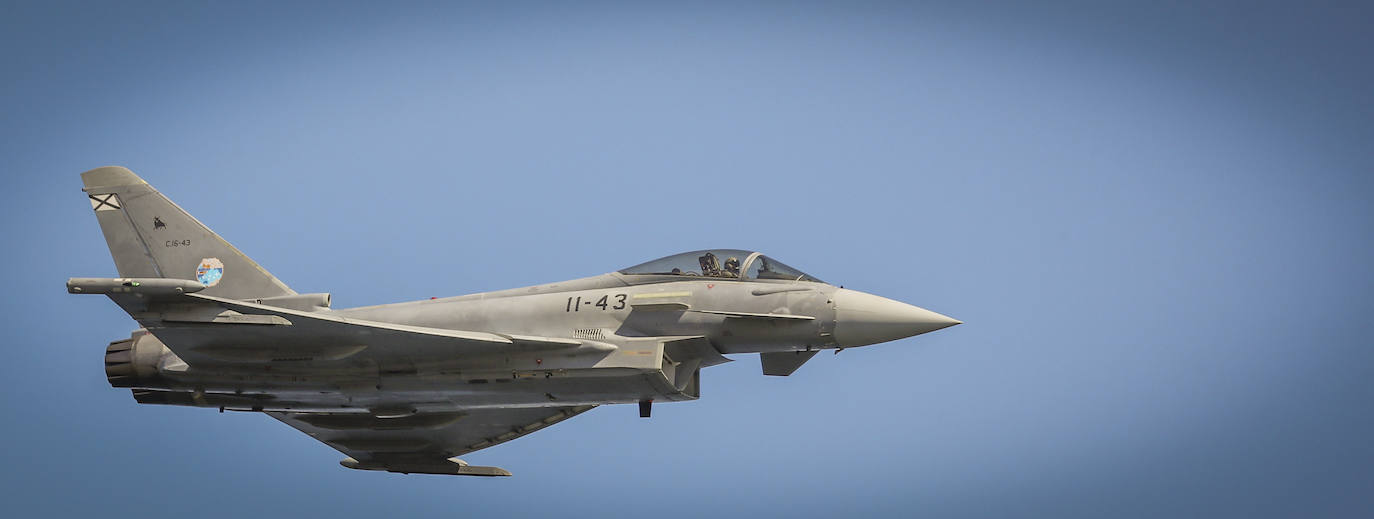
210, 271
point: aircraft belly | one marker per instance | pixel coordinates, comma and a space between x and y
638, 370
432, 395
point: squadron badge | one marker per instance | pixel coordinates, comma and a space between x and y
209, 271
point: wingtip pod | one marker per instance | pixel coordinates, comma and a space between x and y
448, 467
109, 176
146, 286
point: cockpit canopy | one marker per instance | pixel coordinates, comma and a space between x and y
721, 263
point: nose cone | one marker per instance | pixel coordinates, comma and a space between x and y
862, 319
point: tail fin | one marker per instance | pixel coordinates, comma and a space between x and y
151, 237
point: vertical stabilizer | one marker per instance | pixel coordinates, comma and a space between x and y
149, 236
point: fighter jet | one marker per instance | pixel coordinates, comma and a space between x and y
409, 387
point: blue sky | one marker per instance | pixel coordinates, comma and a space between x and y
1154, 221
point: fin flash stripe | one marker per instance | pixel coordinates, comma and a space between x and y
108, 202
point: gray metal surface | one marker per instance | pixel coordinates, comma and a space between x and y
406, 387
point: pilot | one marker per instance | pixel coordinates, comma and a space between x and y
732, 267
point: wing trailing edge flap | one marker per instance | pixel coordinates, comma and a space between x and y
160, 299
299, 317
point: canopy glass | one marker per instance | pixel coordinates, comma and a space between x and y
721, 263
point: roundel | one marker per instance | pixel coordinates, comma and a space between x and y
210, 271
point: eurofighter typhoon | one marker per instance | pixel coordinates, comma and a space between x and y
409, 387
